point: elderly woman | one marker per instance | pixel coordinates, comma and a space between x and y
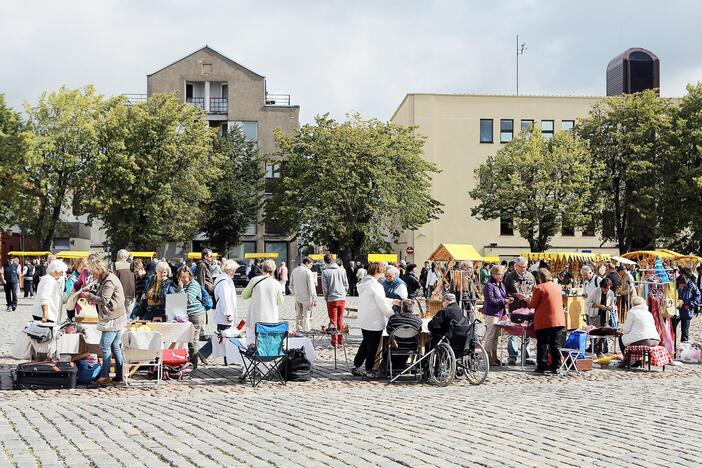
639, 328
495, 301
112, 318
196, 311
225, 296
373, 310
549, 321
266, 296
48, 301
153, 300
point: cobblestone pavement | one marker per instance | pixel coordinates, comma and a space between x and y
604, 417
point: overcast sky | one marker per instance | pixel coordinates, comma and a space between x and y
342, 56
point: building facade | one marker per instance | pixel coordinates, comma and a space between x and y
232, 95
632, 71
462, 131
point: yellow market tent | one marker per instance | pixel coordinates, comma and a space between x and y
389, 258
198, 255
320, 256
567, 256
22, 253
261, 255
689, 261
494, 259
73, 254
143, 254
651, 255
455, 253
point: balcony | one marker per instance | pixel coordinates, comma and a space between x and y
218, 105
196, 101
134, 99
275, 99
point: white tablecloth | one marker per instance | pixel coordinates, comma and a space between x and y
229, 348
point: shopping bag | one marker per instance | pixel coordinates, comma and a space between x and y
577, 340
174, 357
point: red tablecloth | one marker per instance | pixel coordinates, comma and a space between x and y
659, 355
517, 330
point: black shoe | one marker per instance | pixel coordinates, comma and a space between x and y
356, 372
539, 371
530, 362
512, 362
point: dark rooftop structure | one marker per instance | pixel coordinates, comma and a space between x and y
632, 71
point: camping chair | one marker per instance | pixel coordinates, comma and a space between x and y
263, 360
570, 353
404, 342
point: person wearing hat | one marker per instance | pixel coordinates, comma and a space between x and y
440, 324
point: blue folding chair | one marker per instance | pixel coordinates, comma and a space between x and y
263, 360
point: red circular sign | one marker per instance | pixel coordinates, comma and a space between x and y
409, 250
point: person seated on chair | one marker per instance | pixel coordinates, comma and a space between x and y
405, 317
639, 328
440, 325
599, 305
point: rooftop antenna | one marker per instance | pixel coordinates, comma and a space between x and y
520, 51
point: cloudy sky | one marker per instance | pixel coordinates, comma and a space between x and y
340, 56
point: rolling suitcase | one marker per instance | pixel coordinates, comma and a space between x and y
45, 375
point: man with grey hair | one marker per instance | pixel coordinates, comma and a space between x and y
440, 324
519, 285
303, 285
266, 296
590, 280
123, 271
203, 273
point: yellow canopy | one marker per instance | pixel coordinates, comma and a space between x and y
320, 256
664, 254
261, 255
142, 254
567, 256
198, 255
494, 259
691, 259
73, 254
22, 253
390, 258
672, 253
455, 252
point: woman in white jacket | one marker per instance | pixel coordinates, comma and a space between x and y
639, 329
48, 302
373, 311
225, 294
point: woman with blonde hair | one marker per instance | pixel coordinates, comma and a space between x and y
266, 296
112, 318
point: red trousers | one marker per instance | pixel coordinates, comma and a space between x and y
335, 309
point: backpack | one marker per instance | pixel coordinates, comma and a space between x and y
206, 299
30, 271
296, 368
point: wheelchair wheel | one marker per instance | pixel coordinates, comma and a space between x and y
442, 365
475, 364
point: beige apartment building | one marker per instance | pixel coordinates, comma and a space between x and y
233, 95
462, 131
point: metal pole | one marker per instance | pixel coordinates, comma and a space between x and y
517, 51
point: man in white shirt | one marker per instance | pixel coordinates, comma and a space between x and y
303, 285
590, 280
266, 296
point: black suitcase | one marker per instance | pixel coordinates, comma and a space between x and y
45, 375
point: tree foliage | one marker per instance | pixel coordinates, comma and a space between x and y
353, 185
65, 125
540, 184
150, 181
16, 156
630, 134
235, 193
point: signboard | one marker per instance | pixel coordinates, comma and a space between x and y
409, 250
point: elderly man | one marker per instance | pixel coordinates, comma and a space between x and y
590, 280
405, 317
203, 274
335, 286
303, 285
123, 271
440, 324
394, 287
519, 285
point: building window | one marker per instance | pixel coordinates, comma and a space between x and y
251, 229
547, 129
506, 130
485, 130
506, 227
281, 248
567, 231
589, 230
249, 128
567, 125
272, 176
527, 124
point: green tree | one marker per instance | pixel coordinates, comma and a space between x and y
65, 125
352, 185
540, 184
16, 157
630, 134
680, 205
150, 181
235, 193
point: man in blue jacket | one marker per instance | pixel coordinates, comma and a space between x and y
10, 278
688, 302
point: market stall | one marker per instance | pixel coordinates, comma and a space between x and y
68, 254
198, 255
448, 258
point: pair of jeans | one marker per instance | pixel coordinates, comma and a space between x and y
110, 344
11, 293
514, 345
198, 322
368, 349
548, 340
684, 328
28, 288
335, 309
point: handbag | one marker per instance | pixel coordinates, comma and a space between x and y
669, 310
174, 357
39, 332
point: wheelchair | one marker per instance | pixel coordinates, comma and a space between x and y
461, 355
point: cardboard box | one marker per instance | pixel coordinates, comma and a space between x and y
584, 364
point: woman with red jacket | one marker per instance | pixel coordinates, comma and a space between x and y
549, 321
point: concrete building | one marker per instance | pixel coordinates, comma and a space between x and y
233, 95
462, 131
632, 71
